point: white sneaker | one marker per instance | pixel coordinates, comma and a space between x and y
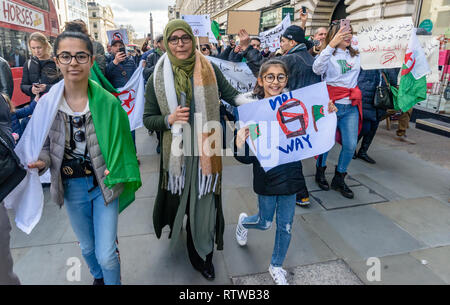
279, 275
241, 232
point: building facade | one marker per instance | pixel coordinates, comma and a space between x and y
62, 10
101, 20
78, 9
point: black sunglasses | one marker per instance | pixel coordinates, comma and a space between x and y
79, 135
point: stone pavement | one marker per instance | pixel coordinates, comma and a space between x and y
400, 214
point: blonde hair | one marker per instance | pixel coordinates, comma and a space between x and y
42, 39
8, 101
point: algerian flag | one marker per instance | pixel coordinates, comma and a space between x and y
318, 113
131, 95
215, 28
114, 138
254, 133
413, 83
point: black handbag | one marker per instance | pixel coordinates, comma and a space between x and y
11, 171
383, 95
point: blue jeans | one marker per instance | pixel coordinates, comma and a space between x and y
347, 123
285, 208
95, 225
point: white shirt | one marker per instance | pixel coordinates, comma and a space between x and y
80, 146
339, 70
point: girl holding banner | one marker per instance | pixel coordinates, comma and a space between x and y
277, 188
87, 145
339, 64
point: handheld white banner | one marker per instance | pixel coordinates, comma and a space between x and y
271, 38
383, 43
201, 26
238, 75
290, 127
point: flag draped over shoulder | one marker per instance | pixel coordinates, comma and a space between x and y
97, 76
114, 137
116, 144
413, 83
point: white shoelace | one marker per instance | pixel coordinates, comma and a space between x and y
242, 232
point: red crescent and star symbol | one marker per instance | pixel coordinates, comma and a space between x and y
128, 102
409, 58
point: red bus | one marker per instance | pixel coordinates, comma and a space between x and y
18, 19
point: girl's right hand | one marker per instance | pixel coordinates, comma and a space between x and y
40, 165
340, 36
35, 90
180, 115
242, 136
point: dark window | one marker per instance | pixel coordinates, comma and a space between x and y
12, 40
42, 4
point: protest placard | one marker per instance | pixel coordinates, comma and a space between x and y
271, 38
120, 34
201, 26
290, 127
238, 74
430, 46
248, 20
382, 44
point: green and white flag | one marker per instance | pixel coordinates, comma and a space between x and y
413, 82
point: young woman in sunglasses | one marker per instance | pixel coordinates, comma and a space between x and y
89, 146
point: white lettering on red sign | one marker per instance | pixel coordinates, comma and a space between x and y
17, 14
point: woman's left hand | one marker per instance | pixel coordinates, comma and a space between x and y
106, 172
332, 107
42, 87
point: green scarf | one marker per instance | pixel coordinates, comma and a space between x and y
116, 144
182, 69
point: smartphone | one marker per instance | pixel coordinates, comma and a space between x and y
345, 23
123, 50
303, 9
36, 84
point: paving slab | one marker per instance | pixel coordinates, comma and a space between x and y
313, 187
233, 204
437, 259
48, 231
361, 232
313, 207
137, 219
328, 273
149, 164
149, 261
427, 219
444, 198
378, 188
149, 186
237, 176
49, 265
305, 248
400, 269
331, 200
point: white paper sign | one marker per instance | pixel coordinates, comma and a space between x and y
238, 75
383, 43
290, 127
121, 34
200, 24
430, 46
271, 38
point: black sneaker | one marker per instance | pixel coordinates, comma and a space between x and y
302, 199
98, 282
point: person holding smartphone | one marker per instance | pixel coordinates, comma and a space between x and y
39, 72
339, 65
120, 69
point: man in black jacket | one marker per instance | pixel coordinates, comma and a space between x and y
6, 79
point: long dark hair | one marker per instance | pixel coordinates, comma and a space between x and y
259, 90
332, 31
